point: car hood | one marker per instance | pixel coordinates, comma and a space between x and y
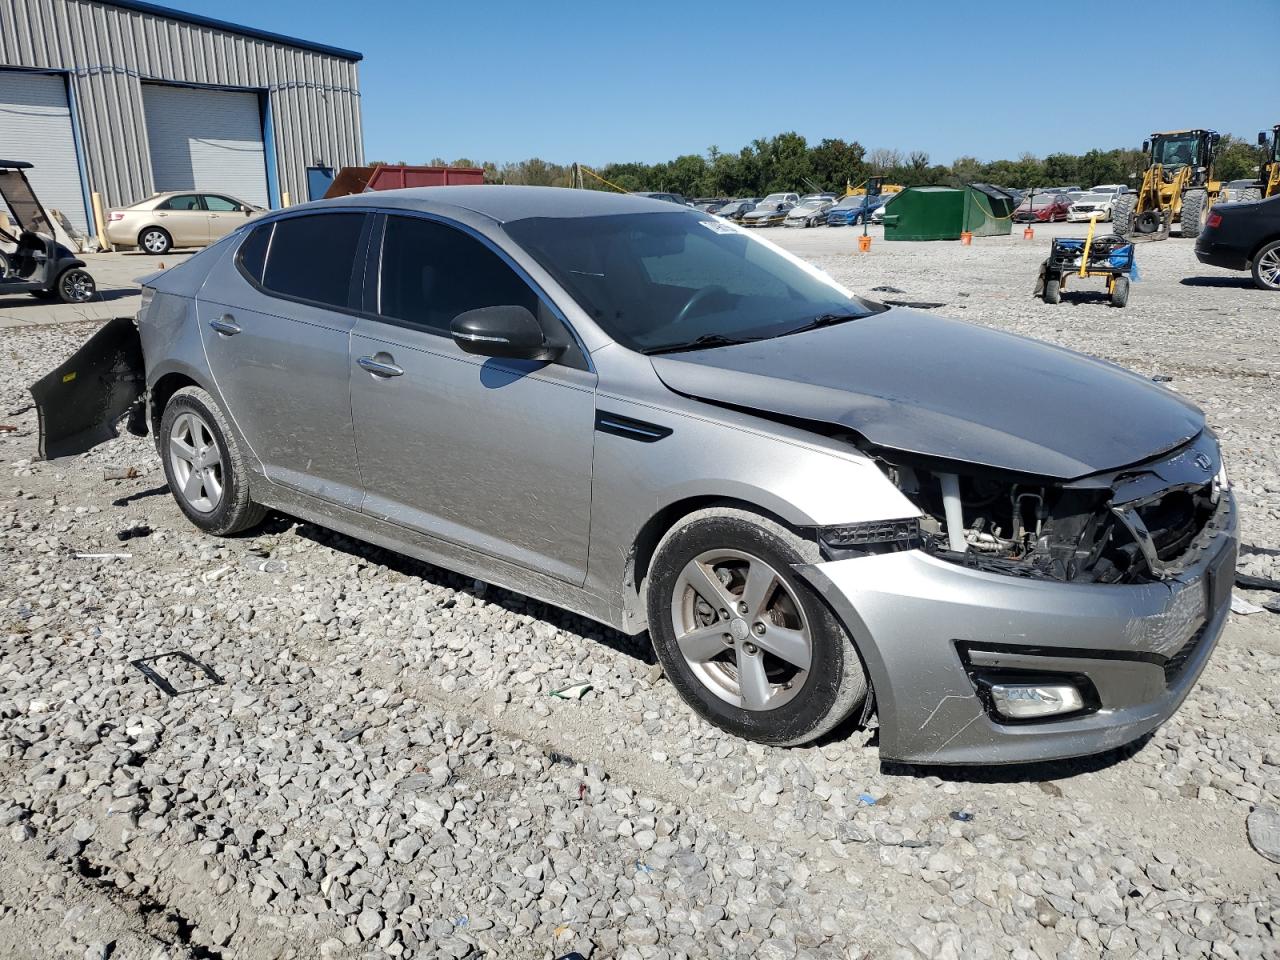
918, 383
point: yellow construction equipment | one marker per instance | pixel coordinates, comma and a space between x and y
873, 186
1269, 180
1179, 184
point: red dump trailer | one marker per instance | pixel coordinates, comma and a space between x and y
389, 177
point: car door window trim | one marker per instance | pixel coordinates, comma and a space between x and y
355, 280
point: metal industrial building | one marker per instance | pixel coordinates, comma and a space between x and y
128, 99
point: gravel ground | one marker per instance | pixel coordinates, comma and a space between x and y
382, 772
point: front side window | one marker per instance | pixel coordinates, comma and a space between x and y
432, 272
311, 257
660, 281
186, 201
220, 204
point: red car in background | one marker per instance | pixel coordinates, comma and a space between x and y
1043, 208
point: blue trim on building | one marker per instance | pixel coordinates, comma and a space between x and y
269, 150
76, 135
156, 10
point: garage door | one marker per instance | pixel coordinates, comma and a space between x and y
206, 140
35, 125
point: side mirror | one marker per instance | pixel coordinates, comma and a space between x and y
510, 332
1146, 146
1262, 138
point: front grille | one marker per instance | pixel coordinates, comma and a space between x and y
1174, 666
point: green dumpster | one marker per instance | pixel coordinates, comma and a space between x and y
943, 213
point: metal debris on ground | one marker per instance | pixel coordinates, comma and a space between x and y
131, 533
104, 556
575, 692
8, 428
1161, 378
1052, 789
964, 816
121, 473
866, 799
1264, 832
266, 566
354, 732
914, 304
885, 288
1243, 607
144, 666
1256, 583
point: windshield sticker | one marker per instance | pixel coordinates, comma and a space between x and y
718, 226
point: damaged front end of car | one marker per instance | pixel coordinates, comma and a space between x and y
1141, 523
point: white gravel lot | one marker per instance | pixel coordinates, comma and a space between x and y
383, 772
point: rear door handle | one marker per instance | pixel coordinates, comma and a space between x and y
225, 325
380, 368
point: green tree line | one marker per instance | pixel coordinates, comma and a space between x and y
789, 162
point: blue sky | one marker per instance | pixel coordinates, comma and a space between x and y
599, 82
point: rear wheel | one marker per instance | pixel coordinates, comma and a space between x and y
745, 641
1266, 266
76, 286
1120, 292
1053, 291
1249, 195
1122, 214
204, 465
155, 241
1195, 210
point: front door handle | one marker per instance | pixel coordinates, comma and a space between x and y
225, 325
380, 368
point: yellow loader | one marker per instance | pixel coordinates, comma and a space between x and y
1179, 184
1269, 180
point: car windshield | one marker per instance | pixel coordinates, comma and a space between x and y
775, 198
657, 281
852, 202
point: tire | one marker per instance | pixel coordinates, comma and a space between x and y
1053, 291
1194, 211
1266, 266
155, 241
217, 502
5, 266
1249, 195
76, 286
794, 700
1120, 292
1122, 214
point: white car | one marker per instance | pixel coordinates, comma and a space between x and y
1091, 205
1115, 189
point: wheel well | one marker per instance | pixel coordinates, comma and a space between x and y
165, 388
657, 527
1258, 249
152, 226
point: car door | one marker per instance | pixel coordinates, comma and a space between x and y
275, 317
183, 217
222, 215
491, 454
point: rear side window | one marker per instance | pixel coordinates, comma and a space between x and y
311, 258
253, 252
432, 272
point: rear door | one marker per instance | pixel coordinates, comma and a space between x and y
276, 320
183, 217
491, 454
222, 215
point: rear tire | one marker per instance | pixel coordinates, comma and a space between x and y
155, 241
1053, 291
1120, 292
1266, 267
709, 564
1194, 212
204, 465
1122, 214
1249, 195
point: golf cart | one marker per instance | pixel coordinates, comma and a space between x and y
33, 261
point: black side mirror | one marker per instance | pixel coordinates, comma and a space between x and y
1146, 146
510, 332
1262, 139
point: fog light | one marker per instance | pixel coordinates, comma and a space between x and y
1024, 701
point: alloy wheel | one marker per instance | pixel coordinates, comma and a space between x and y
741, 629
196, 463
1269, 268
154, 242
77, 286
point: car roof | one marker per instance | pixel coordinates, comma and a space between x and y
501, 203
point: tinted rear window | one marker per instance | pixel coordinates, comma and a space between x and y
311, 257
253, 252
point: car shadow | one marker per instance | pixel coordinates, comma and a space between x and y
1040, 771
495, 374
21, 301
637, 647
1236, 283
140, 495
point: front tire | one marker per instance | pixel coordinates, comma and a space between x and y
1120, 292
1266, 267
204, 465
1195, 211
76, 286
155, 241
1122, 214
747, 644
1053, 291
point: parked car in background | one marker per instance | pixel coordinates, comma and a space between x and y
737, 209
771, 211
178, 219
1026, 552
709, 204
877, 215
853, 210
1091, 205
660, 195
1244, 236
1115, 189
1042, 208
809, 212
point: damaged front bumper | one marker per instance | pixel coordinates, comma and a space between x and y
935, 637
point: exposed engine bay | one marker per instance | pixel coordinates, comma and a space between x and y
1135, 525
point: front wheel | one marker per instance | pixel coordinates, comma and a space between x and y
1266, 266
76, 286
204, 465
1053, 291
747, 644
1195, 211
1122, 215
1120, 292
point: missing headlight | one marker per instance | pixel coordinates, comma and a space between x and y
875, 536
